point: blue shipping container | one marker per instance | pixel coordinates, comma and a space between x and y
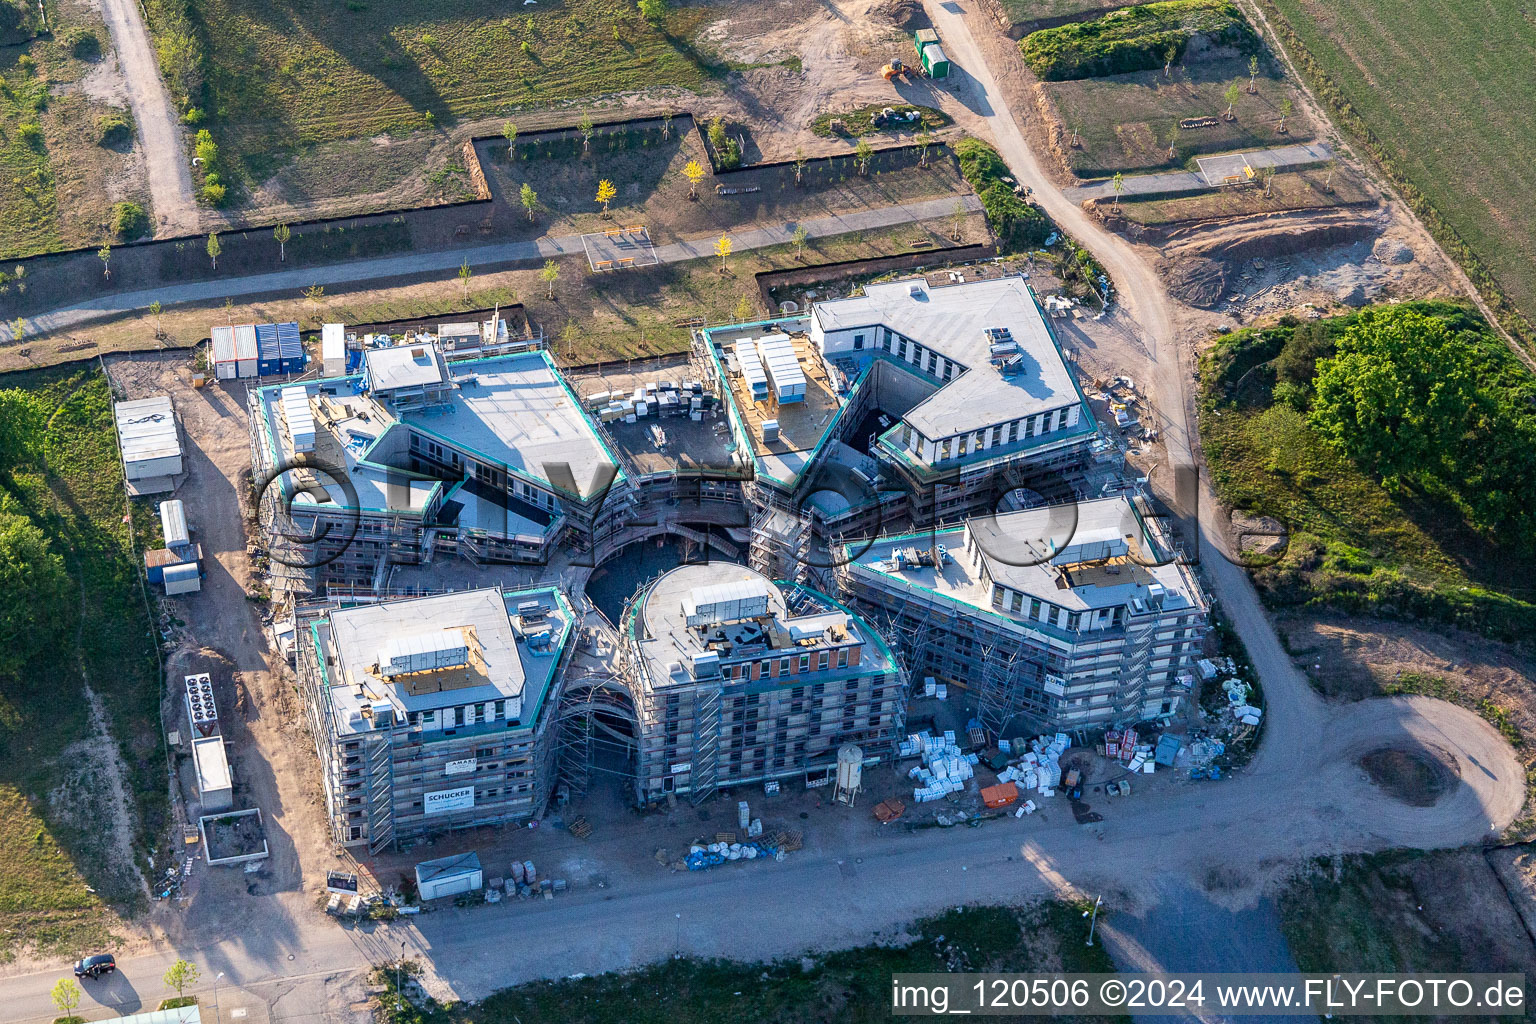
268, 355
290, 347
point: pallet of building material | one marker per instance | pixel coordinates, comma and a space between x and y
725, 837
887, 811
977, 735
580, 828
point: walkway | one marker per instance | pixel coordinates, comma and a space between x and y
1191, 181
396, 269
165, 160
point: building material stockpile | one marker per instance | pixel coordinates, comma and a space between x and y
945, 769
1037, 769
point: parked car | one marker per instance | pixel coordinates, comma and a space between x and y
95, 966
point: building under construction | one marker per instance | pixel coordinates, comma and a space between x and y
435, 713
737, 679
1060, 618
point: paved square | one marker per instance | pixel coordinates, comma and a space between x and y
619, 248
1227, 169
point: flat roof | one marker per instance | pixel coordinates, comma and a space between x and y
146, 429
953, 321
403, 366
501, 667
515, 410
1081, 556
212, 764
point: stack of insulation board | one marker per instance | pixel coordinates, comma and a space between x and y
1040, 768
778, 355
944, 769
752, 369
299, 417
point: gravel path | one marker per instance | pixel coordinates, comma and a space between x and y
170, 179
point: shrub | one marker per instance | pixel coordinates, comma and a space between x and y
18, 21
727, 150
212, 194
83, 43
31, 133
1134, 38
129, 221
1017, 224
114, 129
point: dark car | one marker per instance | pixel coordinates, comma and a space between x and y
95, 966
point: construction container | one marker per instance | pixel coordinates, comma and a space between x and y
185, 578
924, 37
1000, 795
222, 343
449, 876
173, 524
215, 782
147, 437
935, 63
279, 349
247, 352
333, 349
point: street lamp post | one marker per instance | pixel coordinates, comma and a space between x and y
1093, 916
218, 1011
399, 969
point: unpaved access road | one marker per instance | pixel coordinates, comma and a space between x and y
165, 161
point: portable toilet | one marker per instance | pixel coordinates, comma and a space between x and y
935, 63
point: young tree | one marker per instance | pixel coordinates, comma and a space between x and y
1231, 95
1076, 130
666, 125
180, 975
154, 312
105, 255
282, 234
694, 173
549, 275
605, 194
862, 154
529, 198
314, 293
799, 238
1253, 74
587, 129
1269, 180
214, 249
723, 250
652, 10
18, 328
1285, 111
924, 140
743, 311
1173, 139
800, 161
464, 276
1328, 177
1119, 183
509, 132
1169, 56
957, 220
66, 996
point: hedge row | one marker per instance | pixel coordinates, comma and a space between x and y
1134, 39
1017, 224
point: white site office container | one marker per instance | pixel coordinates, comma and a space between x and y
247, 351
182, 579
173, 523
146, 434
449, 876
333, 349
222, 344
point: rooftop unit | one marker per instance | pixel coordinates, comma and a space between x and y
751, 364
333, 349
725, 602
299, 417
783, 366
424, 652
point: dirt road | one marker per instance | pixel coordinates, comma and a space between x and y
170, 179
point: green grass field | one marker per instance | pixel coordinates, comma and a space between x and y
60, 470
1446, 90
1038, 12
849, 987
1124, 122
1354, 545
285, 75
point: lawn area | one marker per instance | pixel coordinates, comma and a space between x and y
1446, 95
1143, 37
59, 470
290, 74
1124, 122
1354, 545
850, 986
48, 139
1307, 189
1039, 13
1403, 911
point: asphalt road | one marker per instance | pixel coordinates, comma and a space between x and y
395, 269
